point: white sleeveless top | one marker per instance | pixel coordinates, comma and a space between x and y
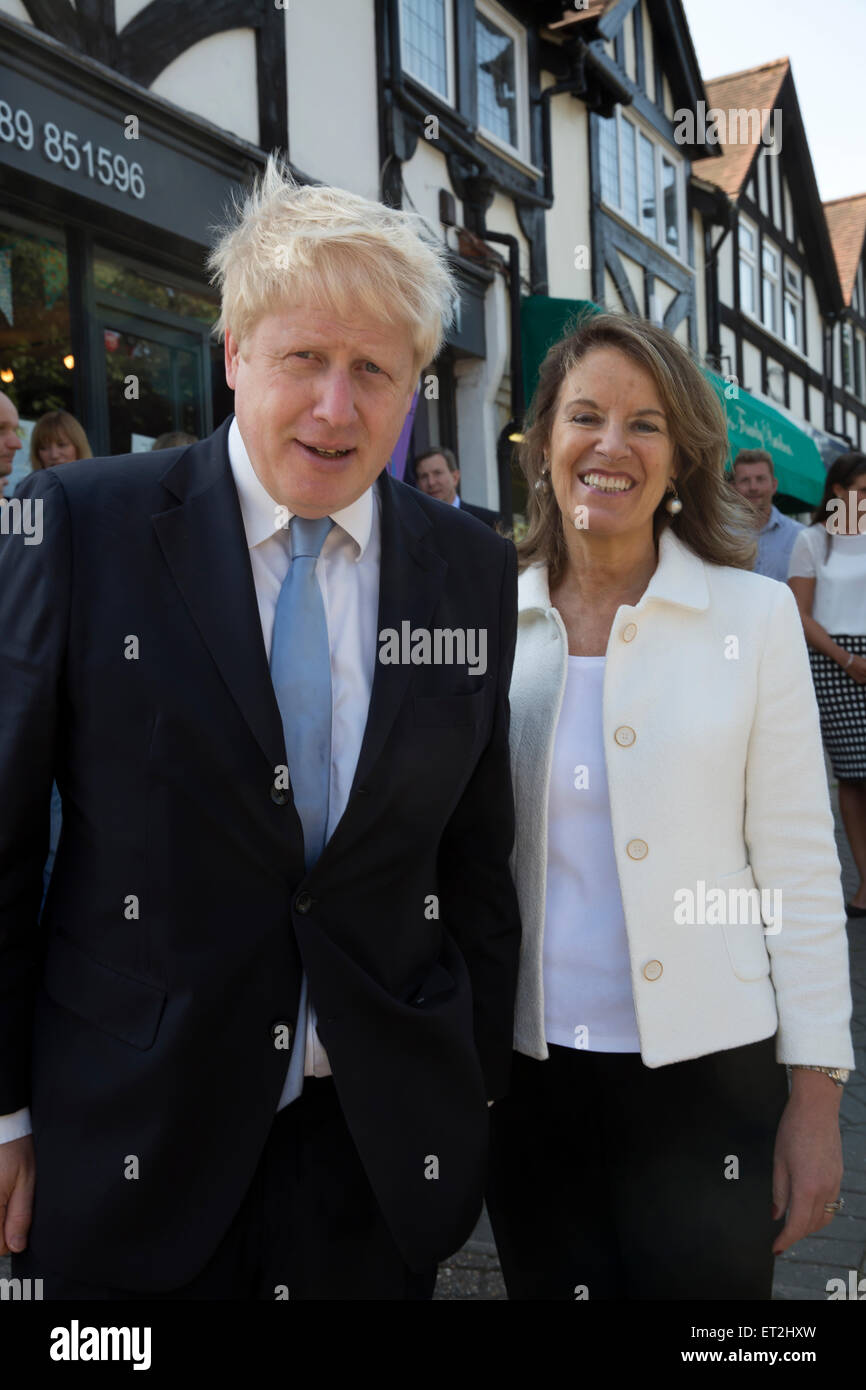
588, 999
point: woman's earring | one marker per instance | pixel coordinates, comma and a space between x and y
543, 483
673, 504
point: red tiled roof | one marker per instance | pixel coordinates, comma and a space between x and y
754, 88
846, 221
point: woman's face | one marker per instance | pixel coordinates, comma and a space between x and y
610, 450
59, 450
854, 497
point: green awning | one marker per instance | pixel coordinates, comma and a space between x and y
752, 424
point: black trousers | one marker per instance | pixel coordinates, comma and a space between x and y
612, 1180
309, 1226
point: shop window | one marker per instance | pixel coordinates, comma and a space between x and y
37, 365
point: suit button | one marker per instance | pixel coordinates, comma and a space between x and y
652, 970
282, 1032
629, 632
279, 795
625, 736
637, 849
303, 903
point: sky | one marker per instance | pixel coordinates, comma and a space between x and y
826, 43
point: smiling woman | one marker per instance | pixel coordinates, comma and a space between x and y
664, 737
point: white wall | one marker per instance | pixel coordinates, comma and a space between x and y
814, 325
816, 407
216, 79
649, 53
423, 176
125, 10
751, 368
728, 343
478, 382
797, 395
331, 48
16, 10
567, 222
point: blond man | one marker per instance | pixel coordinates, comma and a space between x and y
271, 998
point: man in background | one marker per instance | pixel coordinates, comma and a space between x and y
754, 479
9, 439
437, 474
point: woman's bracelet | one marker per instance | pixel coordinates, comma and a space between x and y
848, 662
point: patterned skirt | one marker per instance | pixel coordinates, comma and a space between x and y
842, 707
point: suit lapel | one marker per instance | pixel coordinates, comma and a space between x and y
205, 547
411, 578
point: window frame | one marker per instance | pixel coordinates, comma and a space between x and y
450, 57
774, 283
661, 154
792, 295
512, 29
750, 260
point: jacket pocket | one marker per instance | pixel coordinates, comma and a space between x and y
122, 1005
444, 711
744, 928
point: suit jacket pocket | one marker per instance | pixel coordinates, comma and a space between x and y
122, 1005
744, 928
444, 711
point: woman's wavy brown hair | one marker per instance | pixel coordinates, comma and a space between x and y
714, 522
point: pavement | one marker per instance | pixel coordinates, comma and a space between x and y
802, 1273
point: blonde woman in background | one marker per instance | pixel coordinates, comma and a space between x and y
57, 438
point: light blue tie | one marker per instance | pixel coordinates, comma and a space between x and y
301, 676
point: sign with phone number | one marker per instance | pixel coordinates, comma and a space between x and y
72, 130
113, 170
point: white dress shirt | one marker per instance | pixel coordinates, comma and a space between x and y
348, 573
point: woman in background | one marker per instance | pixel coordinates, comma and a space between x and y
57, 438
827, 572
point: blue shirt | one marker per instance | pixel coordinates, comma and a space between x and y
775, 543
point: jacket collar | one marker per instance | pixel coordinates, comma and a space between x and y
679, 578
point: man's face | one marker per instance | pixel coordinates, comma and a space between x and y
307, 380
755, 482
9, 441
434, 477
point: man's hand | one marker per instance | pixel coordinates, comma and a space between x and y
807, 1168
17, 1183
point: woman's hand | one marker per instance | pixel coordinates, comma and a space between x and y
857, 670
807, 1166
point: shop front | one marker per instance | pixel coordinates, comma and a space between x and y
109, 198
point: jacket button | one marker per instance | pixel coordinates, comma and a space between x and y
282, 1033
279, 795
625, 736
653, 970
637, 849
629, 632
303, 903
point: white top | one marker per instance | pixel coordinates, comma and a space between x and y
348, 573
840, 580
588, 999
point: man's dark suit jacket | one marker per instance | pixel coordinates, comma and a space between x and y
139, 1019
482, 513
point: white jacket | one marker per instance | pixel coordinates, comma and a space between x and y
716, 775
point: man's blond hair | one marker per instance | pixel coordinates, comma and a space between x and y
287, 243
